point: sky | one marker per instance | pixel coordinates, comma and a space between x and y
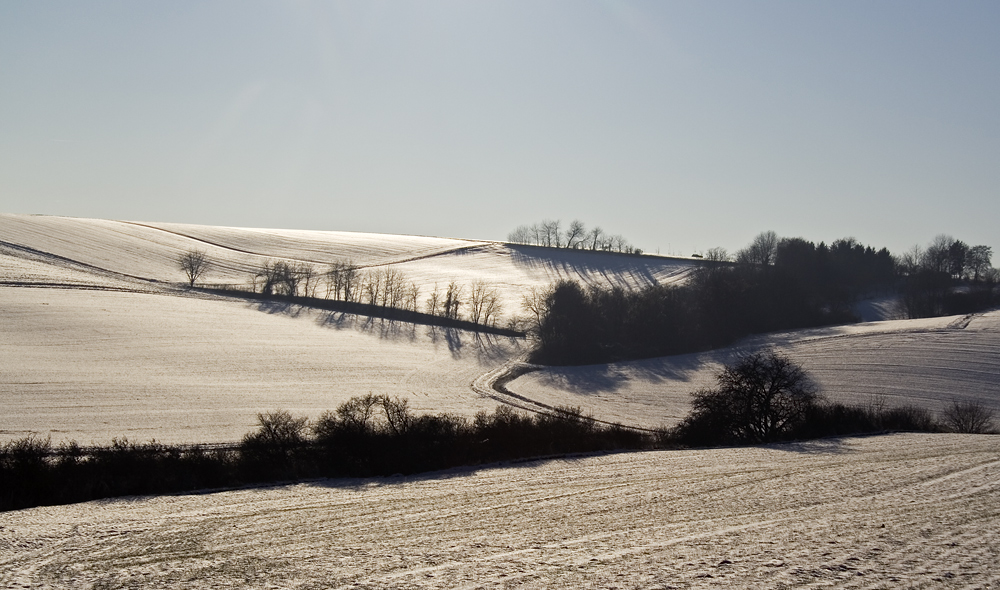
680, 125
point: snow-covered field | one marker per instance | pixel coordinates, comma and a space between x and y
927, 363
99, 341
901, 511
150, 251
92, 365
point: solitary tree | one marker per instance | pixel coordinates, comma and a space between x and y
717, 254
194, 264
756, 400
969, 417
761, 251
576, 233
977, 260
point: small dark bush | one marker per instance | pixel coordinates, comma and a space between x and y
277, 449
758, 399
969, 417
836, 419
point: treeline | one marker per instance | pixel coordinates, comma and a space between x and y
382, 287
947, 277
774, 284
549, 233
366, 436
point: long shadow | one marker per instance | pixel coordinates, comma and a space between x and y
596, 379
278, 304
602, 268
458, 472
486, 346
822, 446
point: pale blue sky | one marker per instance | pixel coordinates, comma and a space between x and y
682, 125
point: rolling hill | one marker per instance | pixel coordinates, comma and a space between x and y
101, 339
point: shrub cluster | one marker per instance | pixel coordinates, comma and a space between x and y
366, 436
765, 397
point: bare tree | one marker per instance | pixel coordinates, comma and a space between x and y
522, 234
936, 257
342, 279
576, 233
393, 287
717, 254
268, 274
372, 287
484, 303
308, 278
618, 243
453, 301
969, 417
550, 233
492, 307
397, 413
595, 238
762, 251
909, 262
535, 302
977, 260
434, 301
194, 263
412, 296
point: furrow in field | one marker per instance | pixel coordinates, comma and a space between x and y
897, 511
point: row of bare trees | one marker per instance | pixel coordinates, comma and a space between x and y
384, 286
549, 233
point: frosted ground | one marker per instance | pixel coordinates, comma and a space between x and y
99, 340
900, 511
927, 363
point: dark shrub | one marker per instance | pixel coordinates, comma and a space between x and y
759, 399
277, 449
969, 417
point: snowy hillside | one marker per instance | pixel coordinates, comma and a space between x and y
901, 511
122, 250
98, 339
927, 363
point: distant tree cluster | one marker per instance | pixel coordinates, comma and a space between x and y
720, 304
774, 284
384, 286
947, 277
576, 236
931, 277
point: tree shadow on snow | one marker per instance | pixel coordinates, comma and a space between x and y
672, 370
822, 446
361, 484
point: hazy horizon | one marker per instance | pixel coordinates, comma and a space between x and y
680, 126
